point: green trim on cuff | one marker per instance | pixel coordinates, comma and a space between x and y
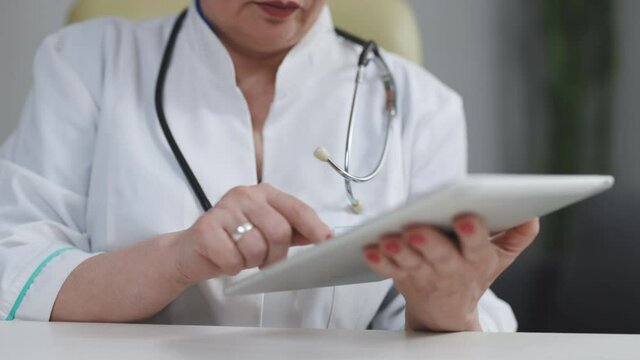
32, 278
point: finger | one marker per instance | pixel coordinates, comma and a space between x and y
300, 240
275, 228
215, 243
253, 248
439, 251
398, 251
472, 233
513, 242
381, 264
300, 215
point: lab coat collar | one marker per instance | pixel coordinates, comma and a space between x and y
300, 61
208, 47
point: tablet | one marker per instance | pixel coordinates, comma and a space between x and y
502, 201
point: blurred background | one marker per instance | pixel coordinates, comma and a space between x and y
550, 86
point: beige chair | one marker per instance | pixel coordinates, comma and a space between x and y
391, 23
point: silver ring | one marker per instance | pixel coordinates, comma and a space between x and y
241, 231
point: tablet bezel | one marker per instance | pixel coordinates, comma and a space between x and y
502, 201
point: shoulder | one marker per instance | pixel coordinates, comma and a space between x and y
88, 49
418, 88
104, 34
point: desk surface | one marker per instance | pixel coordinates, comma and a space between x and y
22, 340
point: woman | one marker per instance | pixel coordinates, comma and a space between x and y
97, 222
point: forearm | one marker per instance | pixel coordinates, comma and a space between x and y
127, 285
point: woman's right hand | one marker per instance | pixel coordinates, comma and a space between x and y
207, 249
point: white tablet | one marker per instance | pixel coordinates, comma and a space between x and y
502, 201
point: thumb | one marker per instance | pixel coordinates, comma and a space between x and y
513, 242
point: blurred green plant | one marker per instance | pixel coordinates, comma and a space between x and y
579, 48
579, 66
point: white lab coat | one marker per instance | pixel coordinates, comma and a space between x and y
88, 170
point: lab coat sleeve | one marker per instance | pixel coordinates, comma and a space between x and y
436, 141
390, 315
44, 175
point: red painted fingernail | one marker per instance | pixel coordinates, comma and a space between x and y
373, 257
417, 240
392, 246
330, 236
467, 228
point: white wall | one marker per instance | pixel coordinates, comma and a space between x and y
474, 47
23, 25
462, 48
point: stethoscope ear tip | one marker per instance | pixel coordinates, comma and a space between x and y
322, 154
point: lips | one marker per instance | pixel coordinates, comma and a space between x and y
278, 9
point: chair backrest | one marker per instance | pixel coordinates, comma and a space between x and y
391, 23
130, 9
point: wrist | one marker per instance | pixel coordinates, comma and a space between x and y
174, 269
468, 321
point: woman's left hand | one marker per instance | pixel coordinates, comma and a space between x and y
442, 279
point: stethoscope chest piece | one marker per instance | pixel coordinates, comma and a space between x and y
369, 52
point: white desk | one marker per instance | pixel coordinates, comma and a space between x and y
21, 340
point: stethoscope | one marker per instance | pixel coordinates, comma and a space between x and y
370, 51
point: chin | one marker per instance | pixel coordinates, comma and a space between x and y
270, 38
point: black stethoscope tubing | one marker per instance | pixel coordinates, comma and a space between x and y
162, 78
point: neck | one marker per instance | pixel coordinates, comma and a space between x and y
251, 65
248, 63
